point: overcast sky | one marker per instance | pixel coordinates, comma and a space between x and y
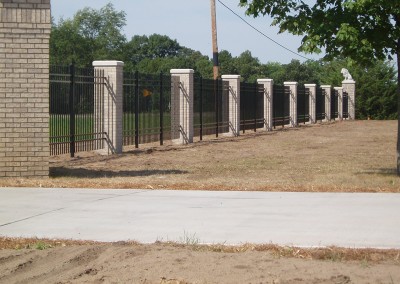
189, 22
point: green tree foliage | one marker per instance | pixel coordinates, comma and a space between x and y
360, 29
90, 35
376, 86
151, 47
97, 34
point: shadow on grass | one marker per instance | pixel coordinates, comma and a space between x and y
383, 171
88, 173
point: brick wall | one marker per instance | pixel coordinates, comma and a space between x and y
24, 87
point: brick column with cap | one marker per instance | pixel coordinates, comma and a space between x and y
25, 27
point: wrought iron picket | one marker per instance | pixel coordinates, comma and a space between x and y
76, 113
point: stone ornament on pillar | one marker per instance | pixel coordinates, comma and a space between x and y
349, 87
312, 89
182, 98
268, 102
293, 102
112, 104
233, 103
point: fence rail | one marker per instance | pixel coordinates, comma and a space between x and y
76, 113
334, 104
320, 98
303, 104
345, 105
251, 106
146, 108
281, 106
210, 107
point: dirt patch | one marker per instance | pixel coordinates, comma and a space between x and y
349, 156
72, 262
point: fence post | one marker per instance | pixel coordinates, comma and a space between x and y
328, 94
349, 86
112, 103
233, 103
340, 102
293, 102
268, 102
312, 90
182, 97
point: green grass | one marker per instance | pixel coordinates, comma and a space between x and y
149, 123
60, 126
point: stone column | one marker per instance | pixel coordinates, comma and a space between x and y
293, 102
182, 97
112, 104
268, 102
233, 103
24, 88
339, 91
328, 94
349, 86
312, 89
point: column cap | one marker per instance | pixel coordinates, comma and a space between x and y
310, 85
230, 77
326, 86
291, 83
265, 80
348, 82
107, 63
338, 88
181, 71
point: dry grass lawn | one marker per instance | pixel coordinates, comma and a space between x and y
349, 156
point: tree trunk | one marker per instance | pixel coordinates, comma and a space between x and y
398, 108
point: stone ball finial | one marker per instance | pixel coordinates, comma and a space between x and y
346, 74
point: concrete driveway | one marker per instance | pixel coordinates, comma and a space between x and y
295, 219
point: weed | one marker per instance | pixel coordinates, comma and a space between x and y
41, 246
188, 239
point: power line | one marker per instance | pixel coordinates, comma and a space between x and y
260, 32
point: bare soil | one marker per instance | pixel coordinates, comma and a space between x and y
350, 156
46, 261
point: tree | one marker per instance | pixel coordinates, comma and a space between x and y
359, 29
90, 35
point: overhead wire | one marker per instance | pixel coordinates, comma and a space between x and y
260, 32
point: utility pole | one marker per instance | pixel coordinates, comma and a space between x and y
214, 39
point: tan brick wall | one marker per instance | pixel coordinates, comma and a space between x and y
24, 87
182, 99
112, 104
233, 104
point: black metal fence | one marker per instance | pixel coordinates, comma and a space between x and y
320, 98
345, 105
281, 105
303, 104
251, 106
334, 104
146, 108
76, 116
210, 107
77, 108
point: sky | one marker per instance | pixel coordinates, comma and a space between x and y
189, 22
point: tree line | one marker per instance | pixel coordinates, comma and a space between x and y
98, 35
